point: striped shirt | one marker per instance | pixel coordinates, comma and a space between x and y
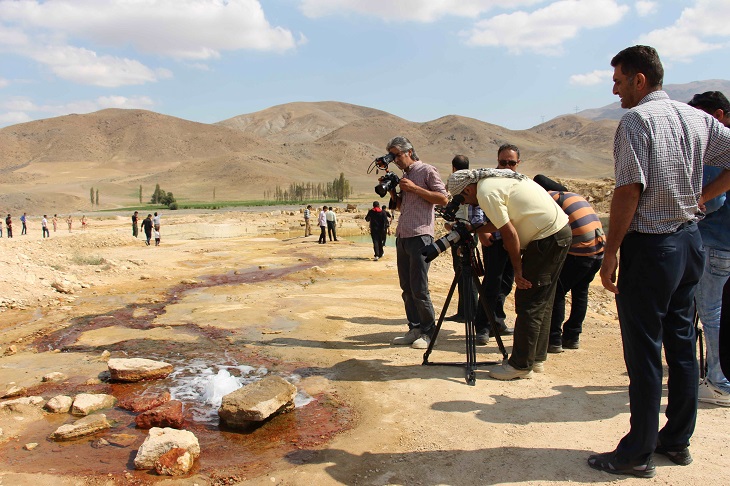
417, 216
588, 236
662, 144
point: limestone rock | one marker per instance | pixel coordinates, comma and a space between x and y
86, 403
175, 462
137, 369
55, 377
105, 355
188, 281
142, 404
169, 414
59, 404
63, 286
257, 402
81, 428
11, 390
11, 350
160, 441
20, 404
30, 446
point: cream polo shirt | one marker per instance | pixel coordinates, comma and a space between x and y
533, 213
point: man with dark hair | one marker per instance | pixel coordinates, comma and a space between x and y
135, 223
715, 231
459, 162
421, 188
378, 225
498, 273
581, 265
331, 224
659, 148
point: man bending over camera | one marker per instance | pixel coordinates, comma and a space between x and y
420, 189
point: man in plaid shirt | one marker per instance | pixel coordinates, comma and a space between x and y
420, 189
659, 150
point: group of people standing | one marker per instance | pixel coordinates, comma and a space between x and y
326, 220
672, 164
46, 232
150, 226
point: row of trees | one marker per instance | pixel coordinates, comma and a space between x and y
338, 189
94, 196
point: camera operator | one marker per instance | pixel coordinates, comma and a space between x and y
421, 188
529, 220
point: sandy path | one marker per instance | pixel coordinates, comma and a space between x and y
337, 313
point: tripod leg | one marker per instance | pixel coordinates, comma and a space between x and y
436, 330
470, 331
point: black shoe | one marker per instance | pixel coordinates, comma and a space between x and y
610, 463
482, 339
505, 331
456, 318
555, 348
681, 457
568, 344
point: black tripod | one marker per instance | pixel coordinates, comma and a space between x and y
468, 274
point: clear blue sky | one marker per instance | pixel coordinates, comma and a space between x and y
513, 63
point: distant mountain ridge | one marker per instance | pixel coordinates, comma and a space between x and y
679, 92
54, 162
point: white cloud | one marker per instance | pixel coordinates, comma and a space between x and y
22, 109
83, 66
545, 29
4, 83
183, 29
408, 10
592, 78
74, 38
13, 117
645, 8
698, 30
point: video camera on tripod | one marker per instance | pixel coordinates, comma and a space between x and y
461, 231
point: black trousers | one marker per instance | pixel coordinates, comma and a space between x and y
658, 275
496, 285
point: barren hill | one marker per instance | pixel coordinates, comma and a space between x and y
50, 165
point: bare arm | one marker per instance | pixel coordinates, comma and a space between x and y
512, 245
718, 186
623, 206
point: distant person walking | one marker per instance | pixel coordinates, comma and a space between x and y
9, 226
55, 222
69, 222
378, 226
307, 224
135, 222
44, 227
322, 221
83, 222
24, 229
147, 228
157, 237
156, 221
331, 224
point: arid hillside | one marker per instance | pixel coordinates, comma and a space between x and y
51, 165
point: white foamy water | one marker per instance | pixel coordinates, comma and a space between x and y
202, 387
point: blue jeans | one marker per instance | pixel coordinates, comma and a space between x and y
413, 277
708, 298
657, 278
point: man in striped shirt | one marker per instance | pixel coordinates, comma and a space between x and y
581, 265
659, 150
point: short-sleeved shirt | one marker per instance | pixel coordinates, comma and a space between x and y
530, 209
588, 237
417, 216
662, 145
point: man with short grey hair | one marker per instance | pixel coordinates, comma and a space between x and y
421, 188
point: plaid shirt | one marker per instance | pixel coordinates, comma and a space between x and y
662, 144
417, 216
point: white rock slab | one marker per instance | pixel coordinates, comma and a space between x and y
257, 401
59, 404
137, 369
160, 441
82, 427
86, 403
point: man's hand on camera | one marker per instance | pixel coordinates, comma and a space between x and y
408, 185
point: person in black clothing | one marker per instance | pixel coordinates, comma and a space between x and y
147, 227
378, 227
9, 226
135, 228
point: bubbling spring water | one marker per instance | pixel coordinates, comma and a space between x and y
202, 386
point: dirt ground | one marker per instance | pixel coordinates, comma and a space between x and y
333, 311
